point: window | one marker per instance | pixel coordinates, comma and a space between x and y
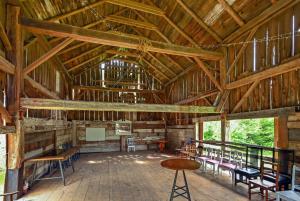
57, 85
212, 130
252, 131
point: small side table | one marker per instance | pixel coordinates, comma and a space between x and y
180, 164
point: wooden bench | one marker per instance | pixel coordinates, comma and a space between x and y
54, 158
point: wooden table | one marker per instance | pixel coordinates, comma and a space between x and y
180, 164
54, 158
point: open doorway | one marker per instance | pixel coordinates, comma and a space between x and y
3, 154
212, 130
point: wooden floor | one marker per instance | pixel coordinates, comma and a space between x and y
131, 177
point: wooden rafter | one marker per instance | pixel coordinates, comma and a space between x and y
174, 62
6, 66
155, 68
131, 22
180, 75
41, 88
101, 55
201, 95
265, 74
50, 104
161, 64
199, 21
105, 38
245, 96
122, 53
4, 38
84, 8
137, 6
96, 88
204, 67
47, 56
82, 54
232, 12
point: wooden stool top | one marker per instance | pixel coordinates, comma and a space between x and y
180, 164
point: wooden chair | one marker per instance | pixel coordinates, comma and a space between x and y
294, 194
214, 160
9, 195
270, 180
230, 162
204, 156
130, 144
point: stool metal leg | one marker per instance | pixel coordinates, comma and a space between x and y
182, 191
174, 186
186, 185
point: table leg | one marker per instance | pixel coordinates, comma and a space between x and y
187, 187
71, 162
267, 195
174, 186
62, 172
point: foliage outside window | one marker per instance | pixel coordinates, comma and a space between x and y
253, 131
212, 130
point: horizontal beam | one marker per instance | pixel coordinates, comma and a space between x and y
112, 39
201, 95
95, 88
50, 104
265, 74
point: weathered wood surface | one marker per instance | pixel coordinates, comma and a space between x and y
87, 35
50, 104
115, 182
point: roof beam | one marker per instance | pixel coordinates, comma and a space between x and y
274, 10
41, 88
199, 21
265, 74
137, 6
155, 68
6, 66
232, 12
103, 54
201, 95
131, 22
100, 37
181, 74
84, 8
50, 104
95, 88
47, 56
161, 64
82, 54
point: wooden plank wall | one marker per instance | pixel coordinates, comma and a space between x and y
278, 91
42, 137
140, 130
178, 133
294, 133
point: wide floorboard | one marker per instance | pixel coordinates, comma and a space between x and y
131, 176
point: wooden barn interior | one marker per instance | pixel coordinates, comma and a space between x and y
115, 88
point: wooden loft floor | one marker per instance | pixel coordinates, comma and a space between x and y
130, 177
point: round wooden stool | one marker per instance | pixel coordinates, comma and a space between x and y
180, 164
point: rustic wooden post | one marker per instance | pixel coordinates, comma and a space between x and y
281, 135
15, 85
74, 134
224, 134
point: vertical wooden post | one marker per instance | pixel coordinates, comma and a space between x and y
224, 134
281, 134
15, 85
74, 133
